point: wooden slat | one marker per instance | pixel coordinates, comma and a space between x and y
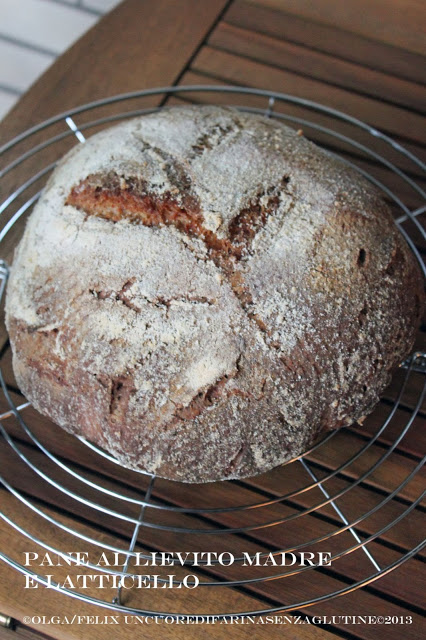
414, 442
358, 501
230, 67
390, 474
229, 599
325, 67
327, 38
21, 632
398, 23
294, 586
412, 392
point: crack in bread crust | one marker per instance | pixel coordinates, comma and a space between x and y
214, 136
125, 296
208, 397
116, 198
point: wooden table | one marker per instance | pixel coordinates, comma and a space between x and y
363, 57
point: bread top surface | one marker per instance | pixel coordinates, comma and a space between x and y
266, 284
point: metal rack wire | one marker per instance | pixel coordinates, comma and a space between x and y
158, 512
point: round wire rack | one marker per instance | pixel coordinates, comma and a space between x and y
311, 503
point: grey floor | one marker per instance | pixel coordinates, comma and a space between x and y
33, 33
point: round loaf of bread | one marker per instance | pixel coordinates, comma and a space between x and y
202, 292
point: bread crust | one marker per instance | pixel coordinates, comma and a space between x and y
203, 292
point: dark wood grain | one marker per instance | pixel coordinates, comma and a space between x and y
56, 604
315, 64
327, 37
394, 22
20, 631
287, 478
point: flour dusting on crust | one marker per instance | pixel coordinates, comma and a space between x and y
202, 292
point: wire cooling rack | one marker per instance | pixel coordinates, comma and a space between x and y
296, 508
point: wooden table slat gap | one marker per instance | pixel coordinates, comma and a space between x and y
285, 37
362, 437
403, 407
368, 484
161, 500
338, 632
400, 28
263, 542
227, 4
327, 79
220, 67
330, 39
258, 598
344, 475
22, 631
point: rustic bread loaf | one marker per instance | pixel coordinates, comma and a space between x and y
202, 292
